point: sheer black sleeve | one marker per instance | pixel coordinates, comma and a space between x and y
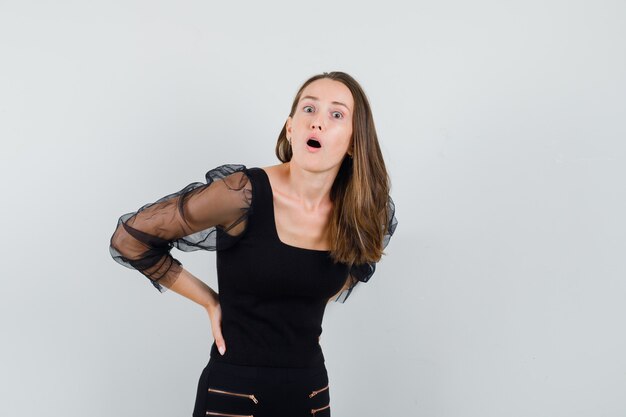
188, 219
363, 272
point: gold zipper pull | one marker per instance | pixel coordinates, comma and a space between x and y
314, 393
315, 410
251, 396
215, 413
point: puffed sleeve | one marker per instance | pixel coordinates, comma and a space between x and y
363, 272
189, 220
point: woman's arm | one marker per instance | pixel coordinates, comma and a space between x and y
188, 220
197, 291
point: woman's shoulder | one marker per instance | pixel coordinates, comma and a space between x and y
239, 177
275, 173
223, 171
235, 176
274, 177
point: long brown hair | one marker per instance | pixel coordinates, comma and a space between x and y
361, 189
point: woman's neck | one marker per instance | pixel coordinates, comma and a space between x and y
312, 189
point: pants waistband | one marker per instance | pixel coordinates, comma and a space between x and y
265, 372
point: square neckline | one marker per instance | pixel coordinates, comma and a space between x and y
273, 216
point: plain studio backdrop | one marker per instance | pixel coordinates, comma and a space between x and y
502, 124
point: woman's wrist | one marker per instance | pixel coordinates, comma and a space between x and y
212, 301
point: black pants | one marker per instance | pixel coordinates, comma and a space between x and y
226, 390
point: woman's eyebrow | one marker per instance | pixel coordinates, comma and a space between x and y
334, 102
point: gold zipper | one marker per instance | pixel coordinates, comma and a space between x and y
251, 396
314, 393
315, 410
212, 413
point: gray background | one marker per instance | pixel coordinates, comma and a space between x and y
502, 124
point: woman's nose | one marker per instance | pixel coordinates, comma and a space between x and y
316, 124
317, 121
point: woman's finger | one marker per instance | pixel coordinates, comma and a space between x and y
216, 327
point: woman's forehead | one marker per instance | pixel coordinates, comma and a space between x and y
328, 90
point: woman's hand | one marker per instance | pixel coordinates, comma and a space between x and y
215, 314
196, 290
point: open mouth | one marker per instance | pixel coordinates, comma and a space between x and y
313, 143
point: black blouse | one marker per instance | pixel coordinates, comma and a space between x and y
272, 295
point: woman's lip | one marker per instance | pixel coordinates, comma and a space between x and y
316, 138
312, 149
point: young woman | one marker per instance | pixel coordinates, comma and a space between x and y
289, 238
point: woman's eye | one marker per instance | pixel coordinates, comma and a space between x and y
334, 113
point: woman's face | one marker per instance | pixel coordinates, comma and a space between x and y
325, 113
